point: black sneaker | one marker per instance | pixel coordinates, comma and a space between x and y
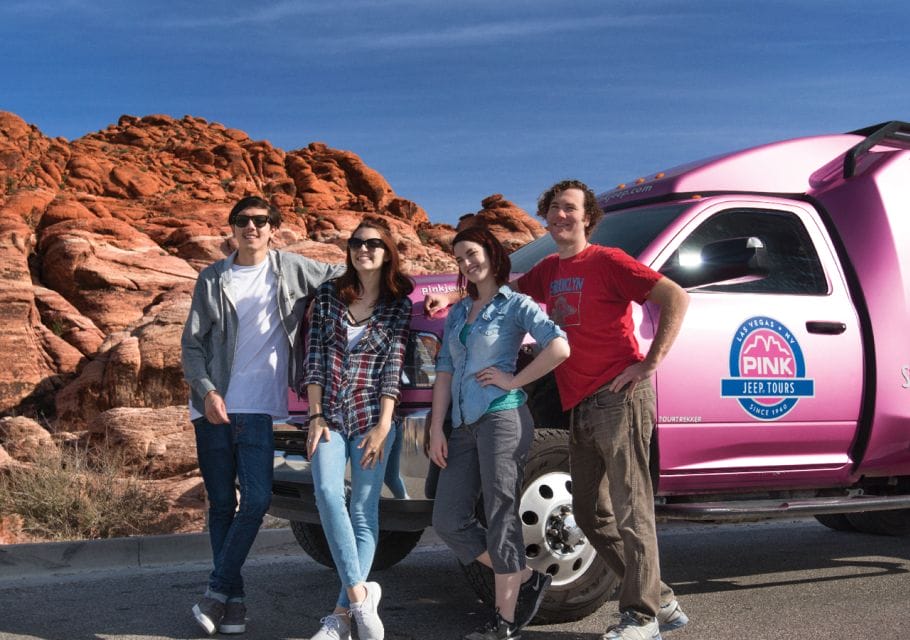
208, 613
495, 629
530, 595
234, 619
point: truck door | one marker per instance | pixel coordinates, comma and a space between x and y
763, 385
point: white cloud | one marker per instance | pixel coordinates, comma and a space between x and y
485, 32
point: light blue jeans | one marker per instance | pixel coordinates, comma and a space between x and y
351, 530
393, 479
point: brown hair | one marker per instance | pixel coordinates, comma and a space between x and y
593, 212
393, 284
500, 263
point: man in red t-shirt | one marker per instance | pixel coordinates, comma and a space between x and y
605, 383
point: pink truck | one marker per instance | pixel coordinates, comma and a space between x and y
786, 394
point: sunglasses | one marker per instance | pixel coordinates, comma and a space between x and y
371, 243
241, 221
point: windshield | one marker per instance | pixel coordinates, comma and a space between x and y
631, 230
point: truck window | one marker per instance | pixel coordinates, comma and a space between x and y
793, 266
631, 231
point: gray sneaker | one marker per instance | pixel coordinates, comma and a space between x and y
670, 616
234, 620
632, 627
366, 614
336, 626
530, 595
208, 613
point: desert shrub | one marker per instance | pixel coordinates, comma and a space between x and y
78, 493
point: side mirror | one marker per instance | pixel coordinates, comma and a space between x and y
719, 261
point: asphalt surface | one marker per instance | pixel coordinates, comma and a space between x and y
775, 580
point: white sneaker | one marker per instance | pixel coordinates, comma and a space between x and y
670, 616
334, 627
630, 627
366, 614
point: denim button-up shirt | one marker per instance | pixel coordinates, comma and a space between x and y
493, 341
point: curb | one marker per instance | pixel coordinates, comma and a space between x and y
59, 558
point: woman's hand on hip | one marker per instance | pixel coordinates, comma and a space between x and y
492, 375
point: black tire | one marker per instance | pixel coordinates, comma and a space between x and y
895, 522
836, 521
392, 548
581, 580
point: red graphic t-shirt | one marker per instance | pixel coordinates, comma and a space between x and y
589, 296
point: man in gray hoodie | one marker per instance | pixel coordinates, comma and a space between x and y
238, 350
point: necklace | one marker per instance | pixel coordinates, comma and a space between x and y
353, 321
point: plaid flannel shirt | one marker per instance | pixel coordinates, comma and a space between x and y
353, 381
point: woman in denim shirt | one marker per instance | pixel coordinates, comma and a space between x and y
492, 427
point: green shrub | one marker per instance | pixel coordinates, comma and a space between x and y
80, 494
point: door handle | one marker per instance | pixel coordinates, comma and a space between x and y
826, 328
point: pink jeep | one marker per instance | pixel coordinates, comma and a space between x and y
787, 392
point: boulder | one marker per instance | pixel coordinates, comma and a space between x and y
159, 443
25, 440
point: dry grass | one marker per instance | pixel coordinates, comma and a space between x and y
80, 494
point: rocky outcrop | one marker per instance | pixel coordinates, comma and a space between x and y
158, 443
101, 239
24, 440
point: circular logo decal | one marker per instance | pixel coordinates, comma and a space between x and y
767, 369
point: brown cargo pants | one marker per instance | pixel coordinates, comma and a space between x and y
612, 495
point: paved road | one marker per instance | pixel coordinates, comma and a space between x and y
766, 580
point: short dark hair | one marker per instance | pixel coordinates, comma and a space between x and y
593, 212
500, 263
255, 202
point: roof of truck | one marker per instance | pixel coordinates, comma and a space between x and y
790, 166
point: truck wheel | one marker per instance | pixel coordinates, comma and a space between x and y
836, 521
895, 522
392, 547
553, 543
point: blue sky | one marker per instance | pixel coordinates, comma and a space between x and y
454, 100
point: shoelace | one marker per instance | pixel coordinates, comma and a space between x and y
625, 620
493, 623
332, 623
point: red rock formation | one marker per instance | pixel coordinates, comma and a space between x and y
159, 443
101, 239
24, 440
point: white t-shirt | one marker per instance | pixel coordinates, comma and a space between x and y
259, 372
355, 333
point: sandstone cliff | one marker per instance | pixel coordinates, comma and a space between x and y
101, 239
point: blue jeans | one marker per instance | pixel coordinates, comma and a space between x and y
245, 450
351, 531
393, 478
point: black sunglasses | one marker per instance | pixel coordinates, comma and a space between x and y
241, 221
371, 243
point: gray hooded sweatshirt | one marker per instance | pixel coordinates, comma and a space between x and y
210, 334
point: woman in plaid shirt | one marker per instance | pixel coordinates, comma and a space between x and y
356, 348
